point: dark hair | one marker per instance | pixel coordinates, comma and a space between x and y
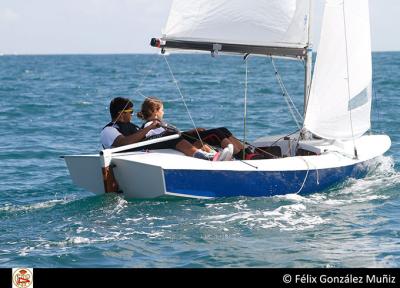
118, 104
149, 106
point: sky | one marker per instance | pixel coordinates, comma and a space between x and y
126, 26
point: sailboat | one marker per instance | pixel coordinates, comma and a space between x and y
335, 142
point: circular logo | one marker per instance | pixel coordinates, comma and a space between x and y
22, 278
287, 278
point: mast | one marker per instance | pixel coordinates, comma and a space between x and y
307, 78
308, 63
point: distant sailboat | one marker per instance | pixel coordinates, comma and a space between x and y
332, 145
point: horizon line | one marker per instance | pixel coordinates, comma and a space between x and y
134, 53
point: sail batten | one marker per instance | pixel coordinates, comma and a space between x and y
278, 25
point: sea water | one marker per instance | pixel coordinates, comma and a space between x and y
56, 105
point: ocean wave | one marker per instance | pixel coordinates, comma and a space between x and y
84, 103
120, 206
301, 212
376, 185
285, 217
34, 206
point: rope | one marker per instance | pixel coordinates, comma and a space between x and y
147, 74
184, 102
285, 136
139, 86
305, 177
255, 147
183, 99
340, 153
286, 96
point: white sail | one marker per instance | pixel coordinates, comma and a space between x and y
339, 105
274, 23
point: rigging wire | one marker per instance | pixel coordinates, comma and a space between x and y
137, 90
139, 86
145, 77
286, 96
245, 112
348, 81
183, 99
187, 109
244, 142
287, 135
245, 103
377, 105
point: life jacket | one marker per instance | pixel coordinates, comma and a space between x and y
168, 130
125, 129
164, 125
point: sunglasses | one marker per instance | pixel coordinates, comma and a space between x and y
127, 111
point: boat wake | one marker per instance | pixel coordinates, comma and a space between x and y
112, 220
298, 212
285, 217
376, 185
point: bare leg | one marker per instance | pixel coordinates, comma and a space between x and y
225, 142
237, 146
204, 147
186, 148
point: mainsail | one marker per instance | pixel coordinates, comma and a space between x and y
273, 27
339, 105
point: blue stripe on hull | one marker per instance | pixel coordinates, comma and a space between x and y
202, 183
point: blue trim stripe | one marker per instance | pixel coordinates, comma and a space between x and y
204, 183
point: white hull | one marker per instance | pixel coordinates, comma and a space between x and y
168, 172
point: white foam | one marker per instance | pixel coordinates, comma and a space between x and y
134, 219
287, 217
295, 198
119, 207
25, 251
304, 212
85, 103
34, 206
79, 240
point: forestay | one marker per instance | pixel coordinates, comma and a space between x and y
339, 105
260, 23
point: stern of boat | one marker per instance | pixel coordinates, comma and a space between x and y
85, 171
134, 178
138, 180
